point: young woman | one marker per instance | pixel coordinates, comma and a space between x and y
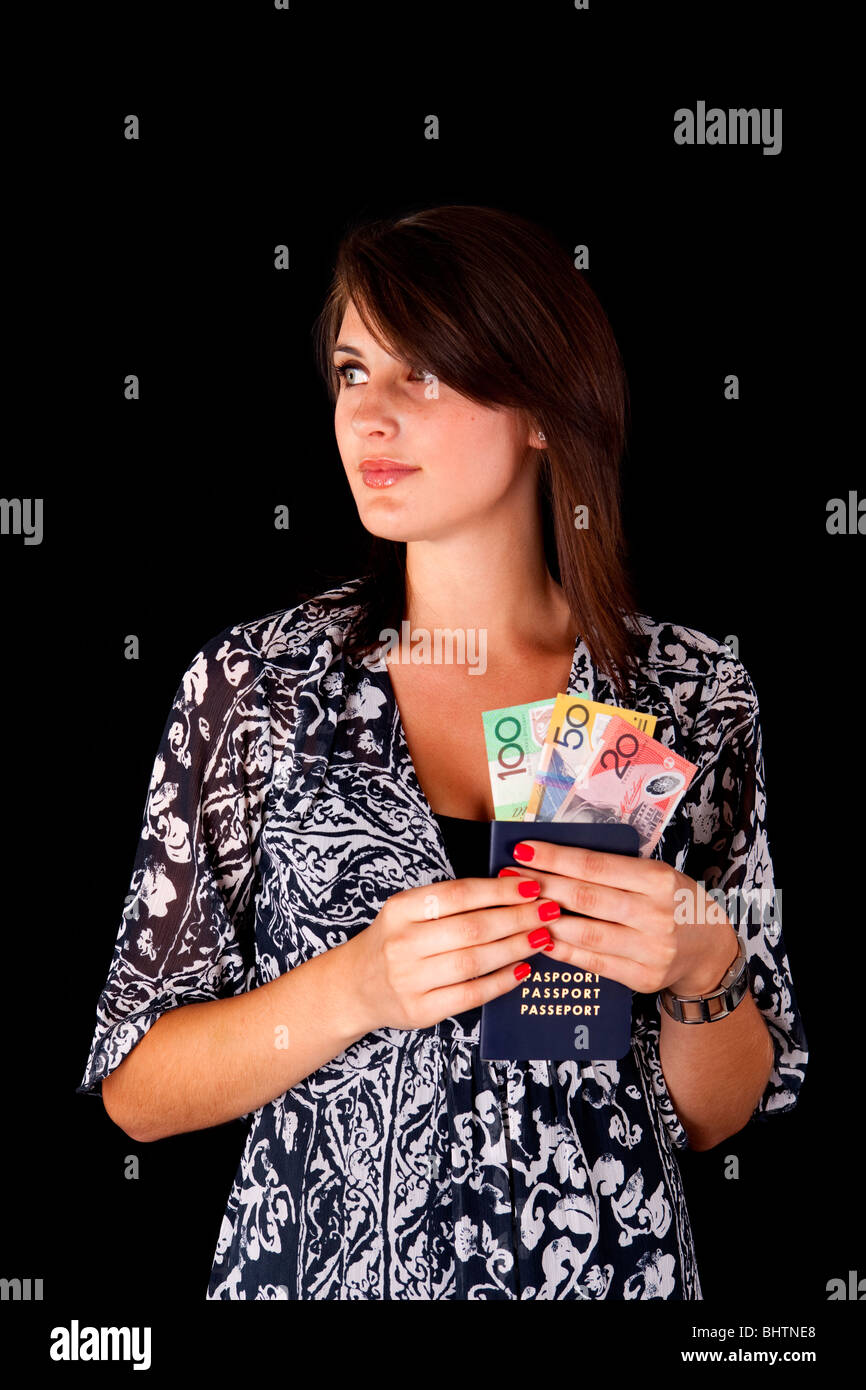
307, 797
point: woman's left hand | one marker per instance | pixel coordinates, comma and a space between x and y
637, 926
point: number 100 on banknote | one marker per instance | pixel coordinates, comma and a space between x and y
514, 738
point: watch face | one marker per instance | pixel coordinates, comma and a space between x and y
737, 966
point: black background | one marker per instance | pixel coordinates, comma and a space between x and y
260, 128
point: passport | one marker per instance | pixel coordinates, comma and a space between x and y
559, 1012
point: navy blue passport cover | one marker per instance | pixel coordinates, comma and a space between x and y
594, 1019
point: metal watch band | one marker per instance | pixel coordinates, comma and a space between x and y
717, 1003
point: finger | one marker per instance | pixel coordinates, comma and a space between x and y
469, 930
623, 871
593, 899
466, 911
455, 895
612, 950
471, 994
468, 962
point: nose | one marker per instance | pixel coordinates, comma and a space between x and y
374, 413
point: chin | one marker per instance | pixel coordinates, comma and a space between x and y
395, 531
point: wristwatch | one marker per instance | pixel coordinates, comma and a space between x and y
717, 1003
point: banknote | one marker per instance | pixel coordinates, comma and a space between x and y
574, 734
514, 737
633, 779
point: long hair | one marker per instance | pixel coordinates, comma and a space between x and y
492, 305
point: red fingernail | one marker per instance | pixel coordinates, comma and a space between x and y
523, 851
547, 911
540, 937
548, 948
529, 888
521, 971
503, 872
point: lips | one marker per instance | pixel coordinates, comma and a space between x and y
380, 465
384, 472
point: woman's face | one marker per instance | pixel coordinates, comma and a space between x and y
470, 460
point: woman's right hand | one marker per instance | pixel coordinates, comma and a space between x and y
443, 948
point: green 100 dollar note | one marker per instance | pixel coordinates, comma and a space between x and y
514, 737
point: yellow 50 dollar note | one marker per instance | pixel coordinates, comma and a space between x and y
574, 735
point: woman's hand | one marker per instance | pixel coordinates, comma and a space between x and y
443, 948
632, 927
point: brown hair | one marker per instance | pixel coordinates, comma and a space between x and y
492, 305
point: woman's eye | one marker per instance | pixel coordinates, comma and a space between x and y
347, 367
419, 372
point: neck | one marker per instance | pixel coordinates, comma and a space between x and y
506, 591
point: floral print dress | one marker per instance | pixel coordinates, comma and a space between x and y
283, 810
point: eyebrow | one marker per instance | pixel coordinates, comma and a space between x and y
347, 347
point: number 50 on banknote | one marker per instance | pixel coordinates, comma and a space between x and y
573, 736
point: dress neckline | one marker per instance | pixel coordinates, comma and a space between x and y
460, 820
582, 675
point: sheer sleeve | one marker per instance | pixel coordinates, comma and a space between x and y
186, 932
730, 854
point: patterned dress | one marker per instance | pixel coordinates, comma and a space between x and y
283, 810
